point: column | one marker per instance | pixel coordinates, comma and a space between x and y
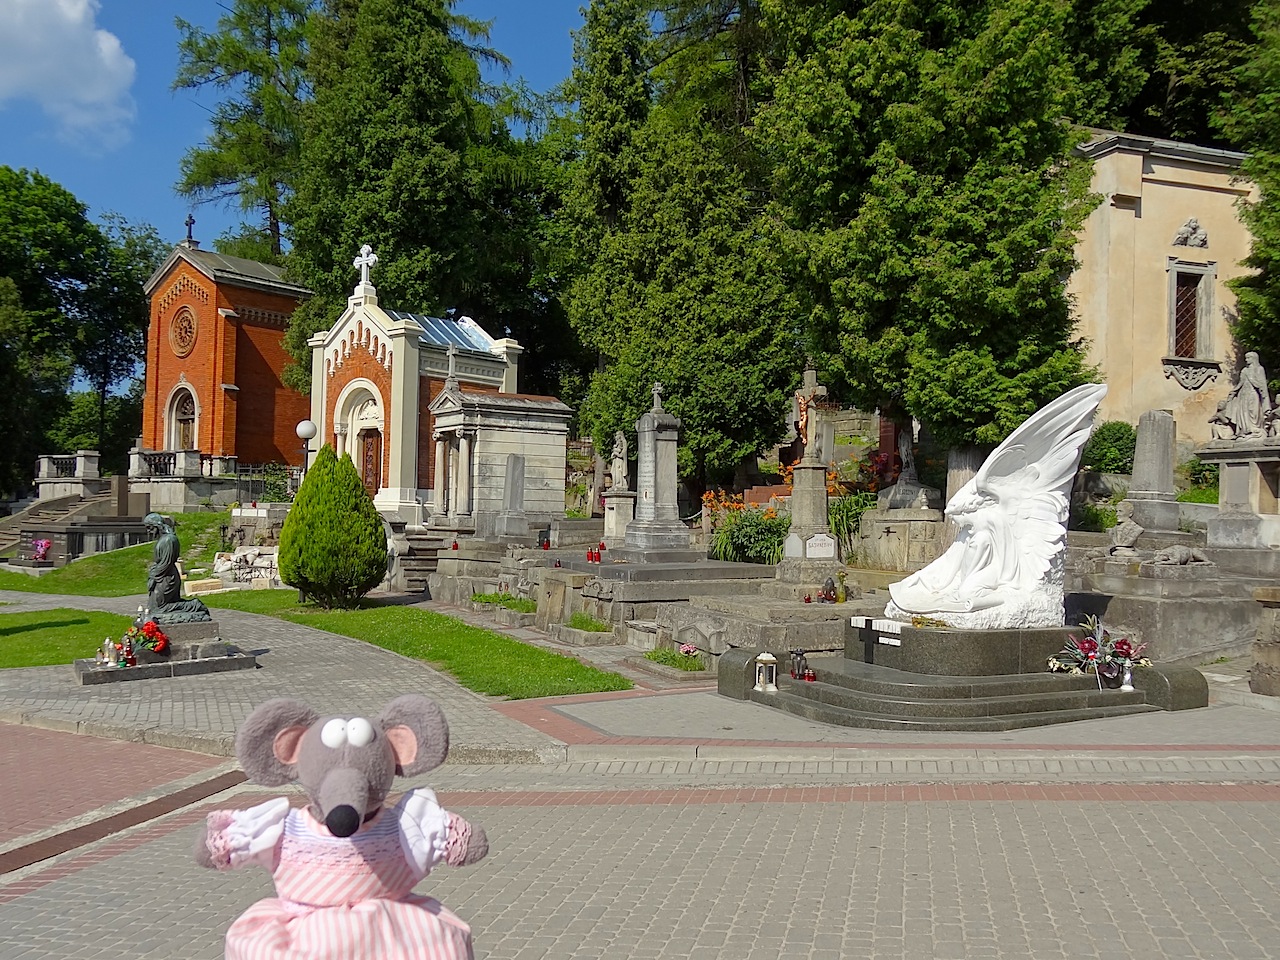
464, 473
442, 460
340, 431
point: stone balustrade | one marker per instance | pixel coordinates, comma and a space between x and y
65, 475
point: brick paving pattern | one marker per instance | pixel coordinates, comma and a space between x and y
52, 777
667, 824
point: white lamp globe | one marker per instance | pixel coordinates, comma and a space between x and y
306, 430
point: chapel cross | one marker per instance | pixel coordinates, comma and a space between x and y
657, 397
189, 223
452, 354
365, 262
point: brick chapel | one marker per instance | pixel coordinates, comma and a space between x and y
215, 359
216, 356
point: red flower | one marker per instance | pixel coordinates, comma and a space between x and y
1088, 646
1123, 648
162, 645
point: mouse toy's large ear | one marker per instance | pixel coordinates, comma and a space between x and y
418, 733
268, 742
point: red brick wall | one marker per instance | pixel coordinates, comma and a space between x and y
360, 364
255, 423
184, 286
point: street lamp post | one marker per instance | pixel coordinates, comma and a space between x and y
306, 431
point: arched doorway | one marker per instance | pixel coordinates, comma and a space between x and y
360, 431
182, 432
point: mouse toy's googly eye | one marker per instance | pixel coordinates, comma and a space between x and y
334, 733
359, 732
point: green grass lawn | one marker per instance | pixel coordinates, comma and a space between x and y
124, 572
40, 638
480, 660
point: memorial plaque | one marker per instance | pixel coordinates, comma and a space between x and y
793, 546
820, 547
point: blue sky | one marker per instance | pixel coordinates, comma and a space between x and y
85, 98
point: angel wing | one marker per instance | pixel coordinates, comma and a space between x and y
1029, 476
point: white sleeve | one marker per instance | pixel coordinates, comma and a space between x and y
237, 837
424, 829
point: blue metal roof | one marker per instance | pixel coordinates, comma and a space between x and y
442, 332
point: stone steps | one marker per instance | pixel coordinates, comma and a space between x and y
854, 694
812, 709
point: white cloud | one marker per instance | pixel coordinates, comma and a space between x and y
52, 52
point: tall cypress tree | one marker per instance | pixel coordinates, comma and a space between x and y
677, 279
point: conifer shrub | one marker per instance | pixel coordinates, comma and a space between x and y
333, 546
1110, 448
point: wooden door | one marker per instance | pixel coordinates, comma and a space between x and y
371, 460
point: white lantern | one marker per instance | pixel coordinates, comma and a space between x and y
766, 673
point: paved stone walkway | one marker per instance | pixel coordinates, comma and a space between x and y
202, 713
677, 824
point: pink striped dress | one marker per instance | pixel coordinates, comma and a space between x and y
344, 898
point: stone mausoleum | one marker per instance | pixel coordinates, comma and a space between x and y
380, 380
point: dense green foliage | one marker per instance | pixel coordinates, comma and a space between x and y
844, 517
42, 638
257, 58
480, 660
333, 546
671, 279
110, 427
669, 657
1110, 448
932, 199
70, 302
581, 620
1253, 122
749, 535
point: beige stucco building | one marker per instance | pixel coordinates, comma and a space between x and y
1151, 291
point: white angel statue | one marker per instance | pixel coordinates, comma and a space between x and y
1004, 569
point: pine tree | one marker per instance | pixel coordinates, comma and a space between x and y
676, 278
333, 546
400, 151
930, 198
257, 59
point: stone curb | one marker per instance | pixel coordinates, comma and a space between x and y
1219, 693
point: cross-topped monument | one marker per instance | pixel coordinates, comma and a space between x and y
451, 378
657, 396
365, 262
189, 223
806, 399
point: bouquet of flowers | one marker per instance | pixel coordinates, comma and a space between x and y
1096, 651
40, 549
148, 635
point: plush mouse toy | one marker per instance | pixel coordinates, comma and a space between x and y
345, 866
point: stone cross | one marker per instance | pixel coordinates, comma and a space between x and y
657, 397
365, 262
189, 223
452, 354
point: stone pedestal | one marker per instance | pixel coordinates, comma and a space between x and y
619, 511
1248, 492
1264, 677
1154, 500
657, 523
900, 539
